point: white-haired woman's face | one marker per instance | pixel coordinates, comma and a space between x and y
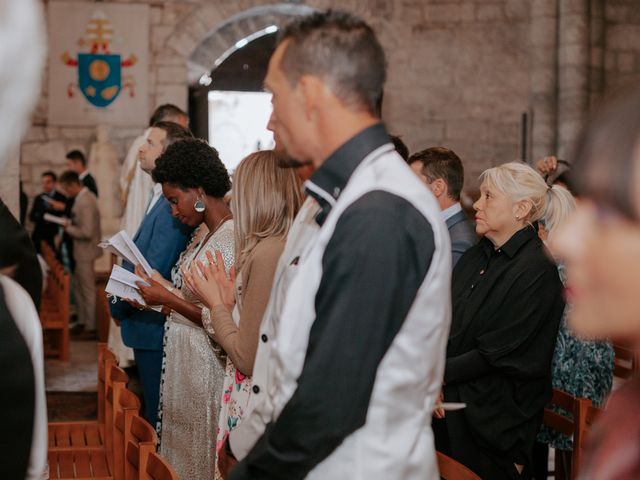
601, 250
495, 215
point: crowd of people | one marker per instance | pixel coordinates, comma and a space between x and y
351, 325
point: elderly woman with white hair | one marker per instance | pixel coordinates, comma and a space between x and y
507, 305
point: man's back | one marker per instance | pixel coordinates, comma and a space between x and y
85, 228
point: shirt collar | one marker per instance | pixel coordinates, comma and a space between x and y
511, 247
157, 190
83, 174
449, 212
326, 183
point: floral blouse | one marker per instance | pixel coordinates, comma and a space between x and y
581, 368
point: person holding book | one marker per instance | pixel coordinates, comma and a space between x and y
84, 228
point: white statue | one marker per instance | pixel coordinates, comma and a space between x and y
105, 165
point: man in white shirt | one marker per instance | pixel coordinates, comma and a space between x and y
443, 173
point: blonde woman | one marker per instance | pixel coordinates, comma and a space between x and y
507, 305
266, 198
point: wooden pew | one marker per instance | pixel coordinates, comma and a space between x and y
86, 435
141, 440
54, 308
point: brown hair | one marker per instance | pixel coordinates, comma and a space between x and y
440, 162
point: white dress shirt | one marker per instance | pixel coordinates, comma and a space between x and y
447, 213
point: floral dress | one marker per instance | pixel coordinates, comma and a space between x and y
581, 368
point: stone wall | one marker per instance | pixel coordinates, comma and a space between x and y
461, 72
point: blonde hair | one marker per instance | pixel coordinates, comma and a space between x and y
520, 182
265, 200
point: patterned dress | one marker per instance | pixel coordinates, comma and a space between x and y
193, 375
580, 367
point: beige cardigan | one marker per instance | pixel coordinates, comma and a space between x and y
241, 341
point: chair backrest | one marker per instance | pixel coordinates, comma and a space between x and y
116, 382
158, 469
141, 440
127, 407
625, 361
453, 470
587, 417
569, 423
106, 358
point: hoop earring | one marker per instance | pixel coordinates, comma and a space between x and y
199, 206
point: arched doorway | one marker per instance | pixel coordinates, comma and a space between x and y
227, 104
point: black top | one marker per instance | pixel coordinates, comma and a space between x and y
17, 251
507, 306
372, 267
44, 230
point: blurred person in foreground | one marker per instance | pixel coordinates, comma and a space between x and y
600, 245
23, 411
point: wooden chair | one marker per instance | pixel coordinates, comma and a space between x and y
78, 464
625, 362
127, 407
158, 469
453, 470
570, 426
85, 435
117, 384
78, 449
54, 307
141, 441
587, 417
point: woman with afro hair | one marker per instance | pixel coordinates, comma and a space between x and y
194, 181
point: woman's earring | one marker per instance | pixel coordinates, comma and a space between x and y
199, 206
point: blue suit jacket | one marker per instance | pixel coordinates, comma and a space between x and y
463, 235
160, 238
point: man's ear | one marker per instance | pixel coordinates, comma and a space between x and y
313, 93
439, 187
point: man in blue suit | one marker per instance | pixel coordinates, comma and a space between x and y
442, 171
160, 238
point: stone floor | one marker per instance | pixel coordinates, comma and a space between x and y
79, 374
71, 386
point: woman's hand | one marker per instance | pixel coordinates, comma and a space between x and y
155, 275
547, 165
210, 282
154, 293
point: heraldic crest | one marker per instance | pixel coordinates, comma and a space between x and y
100, 76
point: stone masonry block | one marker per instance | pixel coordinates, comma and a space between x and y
175, 74
444, 13
623, 37
626, 62
490, 12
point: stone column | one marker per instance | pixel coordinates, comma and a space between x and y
596, 80
544, 80
573, 71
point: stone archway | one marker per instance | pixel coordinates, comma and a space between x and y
231, 34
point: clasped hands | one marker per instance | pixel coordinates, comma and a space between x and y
210, 282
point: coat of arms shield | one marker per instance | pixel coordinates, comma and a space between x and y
99, 77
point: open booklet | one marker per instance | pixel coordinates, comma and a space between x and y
122, 283
55, 219
122, 245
